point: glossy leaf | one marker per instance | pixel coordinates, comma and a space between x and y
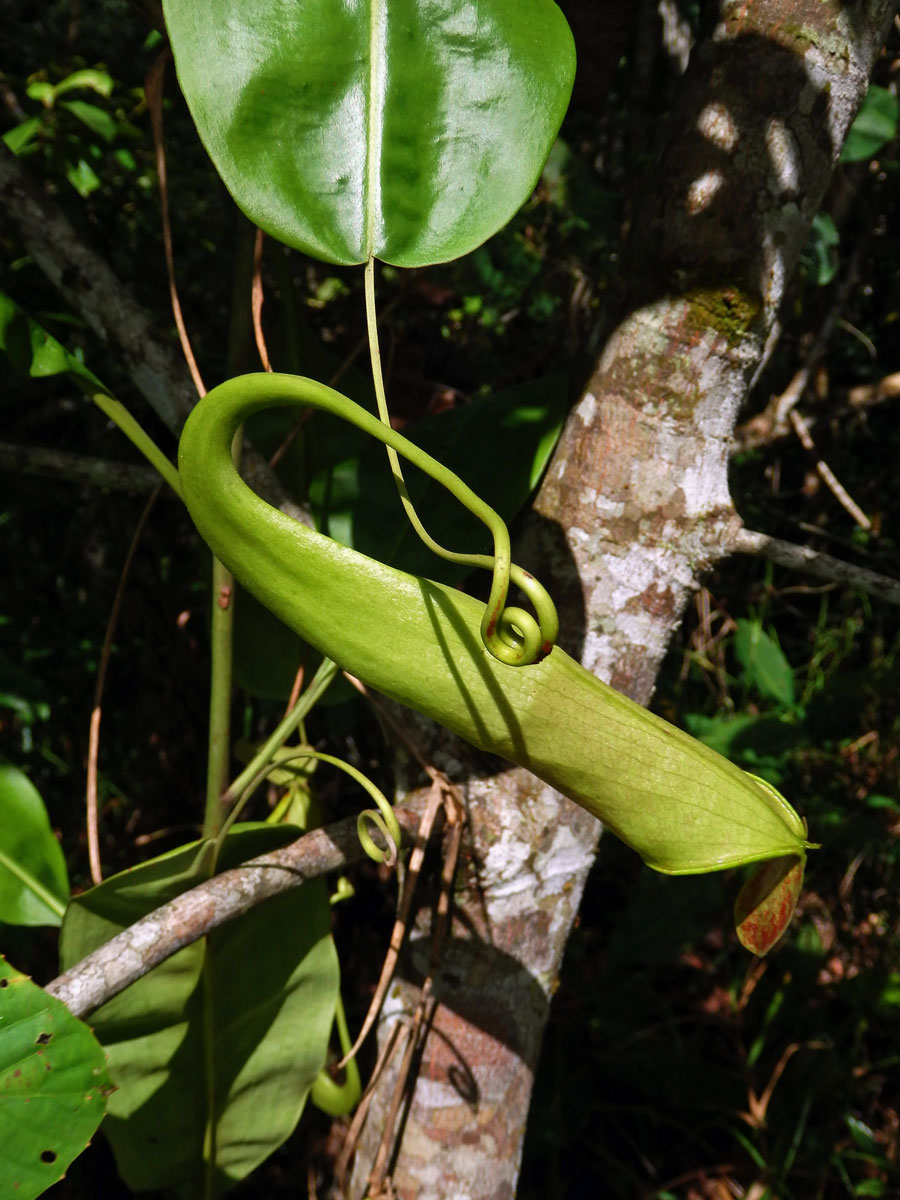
53, 1084
764, 663
220, 1044
34, 885
766, 902
406, 129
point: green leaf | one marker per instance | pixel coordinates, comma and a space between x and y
83, 178
723, 731
96, 119
883, 803
747, 739
32, 351
766, 902
23, 692
765, 666
820, 254
875, 124
34, 885
20, 136
42, 91
870, 1187
405, 130
53, 1082
863, 1136
221, 1043
88, 77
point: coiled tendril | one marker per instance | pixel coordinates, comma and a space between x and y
512, 635
382, 816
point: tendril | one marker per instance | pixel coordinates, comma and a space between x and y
382, 816
512, 635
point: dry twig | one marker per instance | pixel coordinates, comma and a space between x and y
93, 838
812, 562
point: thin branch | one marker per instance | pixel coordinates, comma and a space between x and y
154, 938
153, 90
774, 421
761, 431
812, 562
77, 468
256, 302
93, 837
867, 394
828, 477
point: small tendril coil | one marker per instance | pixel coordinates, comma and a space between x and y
382, 816
388, 856
515, 636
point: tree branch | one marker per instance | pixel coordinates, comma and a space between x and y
135, 951
77, 468
765, 427
815, 563
89, 285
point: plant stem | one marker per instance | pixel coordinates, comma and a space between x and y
283, 730
222, 626
120, 416
222, 619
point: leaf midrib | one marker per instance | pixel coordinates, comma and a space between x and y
375, 117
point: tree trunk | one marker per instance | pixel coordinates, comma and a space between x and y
635, 505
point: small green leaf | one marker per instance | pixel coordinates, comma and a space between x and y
862, 1135
32, 351
723, 731
23, 692
20, 136
88, 77
34, 885
884, 803
875, 124
756, 742
820, 255
405, 130
42, 91
765, 665
53, 1084
766, 902
96, 119
83, 178
870, 1187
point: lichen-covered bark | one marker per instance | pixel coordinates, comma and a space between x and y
634, 506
